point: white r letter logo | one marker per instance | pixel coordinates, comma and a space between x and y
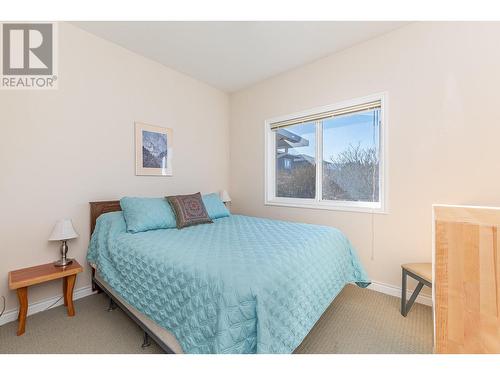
27, 49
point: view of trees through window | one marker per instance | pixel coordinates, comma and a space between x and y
350, 165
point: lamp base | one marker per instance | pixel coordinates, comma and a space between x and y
63, 262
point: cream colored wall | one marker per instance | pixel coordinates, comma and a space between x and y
442, 81
61, 149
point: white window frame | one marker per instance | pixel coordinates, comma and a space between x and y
317, 202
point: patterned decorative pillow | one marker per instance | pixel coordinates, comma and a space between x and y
189, 210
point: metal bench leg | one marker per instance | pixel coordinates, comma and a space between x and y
414, 296
403, 292
406, 306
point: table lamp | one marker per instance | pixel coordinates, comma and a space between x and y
63, 231
224, 197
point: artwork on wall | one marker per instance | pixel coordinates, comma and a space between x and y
153, 150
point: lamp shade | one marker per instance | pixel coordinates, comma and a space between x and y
63, 230
224, 196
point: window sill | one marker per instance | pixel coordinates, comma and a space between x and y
326, 206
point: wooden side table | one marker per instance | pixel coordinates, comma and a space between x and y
21, 279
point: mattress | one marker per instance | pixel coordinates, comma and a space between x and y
239, 285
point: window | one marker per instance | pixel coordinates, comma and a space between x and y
295, 160
330, 157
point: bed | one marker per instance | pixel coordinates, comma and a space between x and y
239, 285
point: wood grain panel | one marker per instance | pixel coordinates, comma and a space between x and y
467, 279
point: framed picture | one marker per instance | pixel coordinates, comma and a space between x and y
153, 150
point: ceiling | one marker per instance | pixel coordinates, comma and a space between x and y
233, 55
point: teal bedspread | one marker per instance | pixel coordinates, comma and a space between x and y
239, 285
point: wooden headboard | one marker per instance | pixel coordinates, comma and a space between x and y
99, 208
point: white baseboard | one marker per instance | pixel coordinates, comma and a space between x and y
33, 308
396, 292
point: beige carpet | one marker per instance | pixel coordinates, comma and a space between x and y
364, 321
358, 321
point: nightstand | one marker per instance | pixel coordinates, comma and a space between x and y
21, 279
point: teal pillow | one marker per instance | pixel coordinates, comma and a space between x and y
215, 208
142, 214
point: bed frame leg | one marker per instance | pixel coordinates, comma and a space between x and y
112, 305
146, 341
95, 287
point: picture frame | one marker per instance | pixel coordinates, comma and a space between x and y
153, 150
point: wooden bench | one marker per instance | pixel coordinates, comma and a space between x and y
422, 272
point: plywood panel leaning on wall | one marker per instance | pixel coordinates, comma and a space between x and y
467, 279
